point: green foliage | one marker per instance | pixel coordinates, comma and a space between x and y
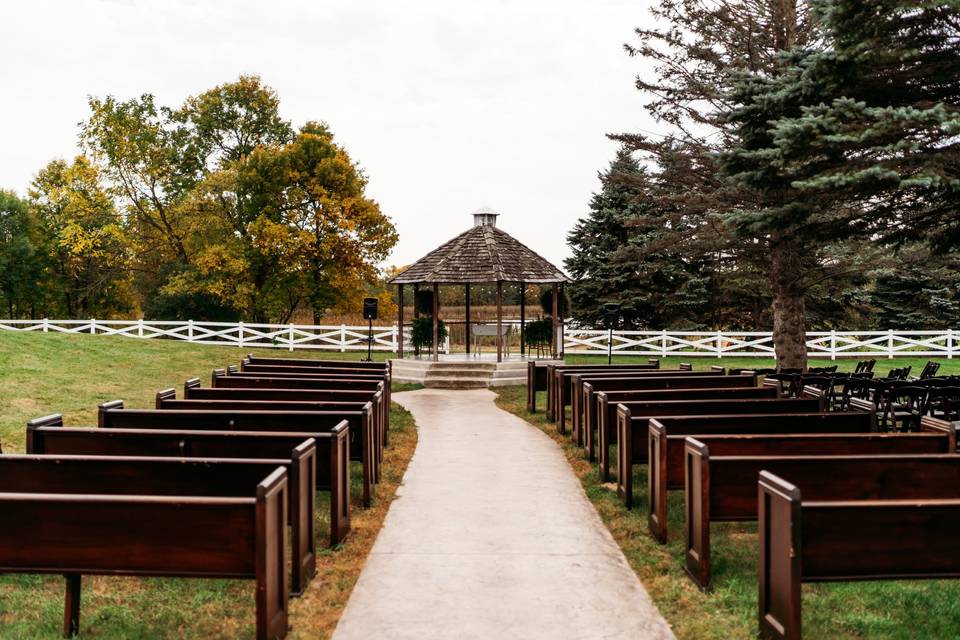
220, 207
539, 332
84, 239
546, 302
421, 333
21, 260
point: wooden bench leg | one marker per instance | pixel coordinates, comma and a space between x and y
71, 605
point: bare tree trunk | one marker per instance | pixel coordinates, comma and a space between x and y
789, 305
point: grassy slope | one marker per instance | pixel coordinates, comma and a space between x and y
71, 374
887, 610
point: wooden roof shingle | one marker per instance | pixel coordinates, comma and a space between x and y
480, 254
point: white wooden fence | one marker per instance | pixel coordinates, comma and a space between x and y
687, 344
242, 334
719, 344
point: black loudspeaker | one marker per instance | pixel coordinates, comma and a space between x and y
369, 308
611, 315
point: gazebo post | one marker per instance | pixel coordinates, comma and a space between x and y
499, 321
523, 316
400, 321
556, 313
466, 289
560, 337
436, 322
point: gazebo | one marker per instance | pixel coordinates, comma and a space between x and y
484, 254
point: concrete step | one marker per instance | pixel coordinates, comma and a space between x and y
455, 383
460, 372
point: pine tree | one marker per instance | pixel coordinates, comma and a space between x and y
604, 267
869, 134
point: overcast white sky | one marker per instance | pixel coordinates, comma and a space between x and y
448, 105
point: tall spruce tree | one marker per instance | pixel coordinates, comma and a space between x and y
700, 48
873, 133
597, 242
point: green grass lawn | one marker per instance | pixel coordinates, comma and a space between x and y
71, 374
896, 610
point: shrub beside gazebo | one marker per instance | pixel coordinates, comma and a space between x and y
484, 254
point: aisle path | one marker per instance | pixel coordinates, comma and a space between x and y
492, 537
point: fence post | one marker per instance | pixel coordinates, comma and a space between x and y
719, 345
394, 333
240, 334
93, 326
949, 344
189, 330
890, 344
140, 328
833, 344
663, 344
343, 338
44, 325
290, 348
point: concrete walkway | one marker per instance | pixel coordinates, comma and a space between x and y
493, 537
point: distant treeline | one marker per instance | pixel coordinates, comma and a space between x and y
218, 209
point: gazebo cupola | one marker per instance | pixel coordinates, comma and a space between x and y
483, 254
485, 215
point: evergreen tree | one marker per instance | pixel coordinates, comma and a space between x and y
869, 130
603, 266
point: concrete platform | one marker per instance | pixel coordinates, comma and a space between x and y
461, 372
493, 537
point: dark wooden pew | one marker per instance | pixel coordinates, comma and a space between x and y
553, 369
692, 406
333, 388
112, 415
565, 382
220, 380
722, 486
351, 374
897, 522
577, 380
653, 440
668, 380
154, 535
292, 401
601, 416
319, 363
312, 371
323, 469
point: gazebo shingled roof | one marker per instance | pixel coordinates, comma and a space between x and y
481, 254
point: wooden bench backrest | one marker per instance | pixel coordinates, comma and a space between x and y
323, 374
268, 382
193, 391
167, 403
309, 362
311, 371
